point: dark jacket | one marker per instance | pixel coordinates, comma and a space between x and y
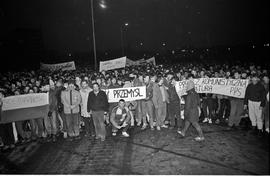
97, 102
58, 97
191, 111
52, 100
173, 96
255, 93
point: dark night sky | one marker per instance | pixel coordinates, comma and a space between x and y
66, 24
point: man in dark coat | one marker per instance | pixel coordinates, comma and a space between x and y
192, 111
174, 105
98, 106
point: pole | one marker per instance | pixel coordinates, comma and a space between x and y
122, 41
94, 36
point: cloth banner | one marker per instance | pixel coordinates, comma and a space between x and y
229, 87
128, 94
61, 66
24, 107
151, 60
130, 62
112, 64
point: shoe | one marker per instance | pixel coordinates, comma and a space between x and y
97, 137
54, 138
154, 123
217, 121
144, 127
102, 139
210, 121
181, 133
205, 120
139, 124
267, 130
49, 139
125, 134
158, 128
164, 126
152, 128
65, 135
114, 134
86, 135
199, 139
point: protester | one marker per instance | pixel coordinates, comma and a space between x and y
192, 111
120, 118
6, 130
266, 107
160, 100
50, 119
71, 100
174, 105
236, 106
88, 120
147, 104
98, 105
255, 101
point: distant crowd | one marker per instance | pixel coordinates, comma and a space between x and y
78, 105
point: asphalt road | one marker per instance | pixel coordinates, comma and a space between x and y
145, 152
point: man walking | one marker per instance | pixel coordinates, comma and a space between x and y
98, 105
192, 111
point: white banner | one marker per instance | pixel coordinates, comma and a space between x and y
25, 101
151, 60
128, 94
112, 64
229, 87
61, 66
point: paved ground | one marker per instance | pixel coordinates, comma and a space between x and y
145, 152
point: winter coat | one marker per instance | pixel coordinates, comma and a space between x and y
192, 103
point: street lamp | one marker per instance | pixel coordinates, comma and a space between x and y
122, 38
93, 33
102, 5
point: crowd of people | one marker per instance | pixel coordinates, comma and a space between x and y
78, 105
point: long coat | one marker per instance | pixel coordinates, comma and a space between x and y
192, 103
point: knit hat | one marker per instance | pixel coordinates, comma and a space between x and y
190, 85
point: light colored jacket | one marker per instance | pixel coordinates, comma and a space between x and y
84, 94
76, 100
157, 96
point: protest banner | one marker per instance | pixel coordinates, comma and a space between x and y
61, 66
128, 94
129, 62
151, 60
229, 87
112, 64
24, 107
